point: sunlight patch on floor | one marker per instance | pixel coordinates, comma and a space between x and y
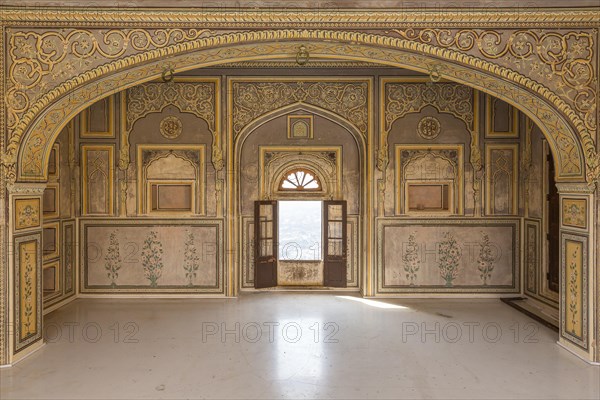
372, 303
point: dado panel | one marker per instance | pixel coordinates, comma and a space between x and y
448, 255
129, 256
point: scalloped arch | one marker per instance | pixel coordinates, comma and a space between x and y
31, 141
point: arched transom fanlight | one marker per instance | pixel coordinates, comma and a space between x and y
300, 179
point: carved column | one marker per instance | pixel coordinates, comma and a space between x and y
578, 268
25, 218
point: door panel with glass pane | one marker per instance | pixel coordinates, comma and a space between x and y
265, 250
335, 243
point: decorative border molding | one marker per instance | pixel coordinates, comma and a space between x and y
568, 188
302, 18
310, 64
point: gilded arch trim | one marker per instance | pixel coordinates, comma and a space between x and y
41, 122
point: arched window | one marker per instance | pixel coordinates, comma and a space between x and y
300, 179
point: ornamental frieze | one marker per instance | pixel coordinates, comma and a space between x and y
564, 61
349, 100
198, 97
453, 98
545, 107
39, 60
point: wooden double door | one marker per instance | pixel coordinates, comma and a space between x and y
334, 243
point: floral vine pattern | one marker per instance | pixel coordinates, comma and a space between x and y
152, 253
573, 291
405, 98
191, 258
38, 59
112, 259
563, 60
485, 261
531, 258
411, 259
28, 292
449, 253
503, 83
347, 99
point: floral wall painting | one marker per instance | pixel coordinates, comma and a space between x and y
27, 213
113, 260
191, 262
27, 298
574, 213
574, 281
462, 255
159, 256
532, 255
485, 262
449, 256
152, 255
411, 260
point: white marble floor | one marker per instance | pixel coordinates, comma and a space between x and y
297, 345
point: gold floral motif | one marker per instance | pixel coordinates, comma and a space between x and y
429, 128
404, 98
574, 301
563, 60
171, 127
27, 294
574, 213
350, 100
27, 213
197, 98
38, 59
547, 109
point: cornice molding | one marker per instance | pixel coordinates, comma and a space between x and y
566, 188
310, 65
301, 18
